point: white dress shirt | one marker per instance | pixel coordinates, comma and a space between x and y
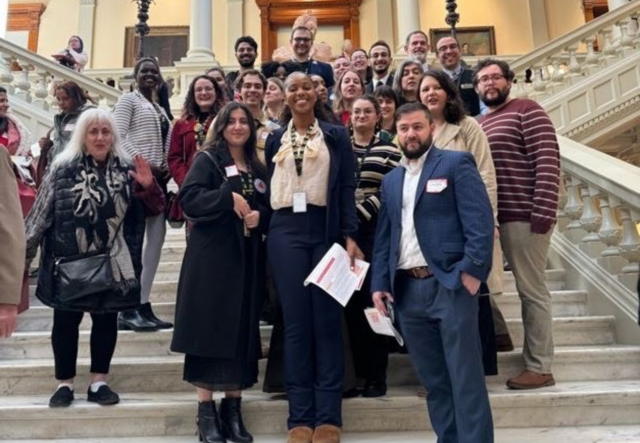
410, 254
383, 80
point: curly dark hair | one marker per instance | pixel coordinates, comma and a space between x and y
219, 142
454, 110
509, 75
191, 108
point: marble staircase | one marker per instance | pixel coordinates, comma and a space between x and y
598, 379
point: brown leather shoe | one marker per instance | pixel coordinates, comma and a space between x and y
504, 343
300, 434
530, 380
326, 434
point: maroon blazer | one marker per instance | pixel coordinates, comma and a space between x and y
182, 149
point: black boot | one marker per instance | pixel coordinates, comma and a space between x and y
208, 423
134, 321
147, 313
231, 420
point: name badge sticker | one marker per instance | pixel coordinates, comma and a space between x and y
466, 86
436, 185
69, 127
231, 171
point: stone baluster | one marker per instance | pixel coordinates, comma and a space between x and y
24, 85
41, 93
610, 49
6, 77
627, 45
593, 59
591, 221
575, 70
557, 78
610, 234
539, 85
573, 209
630, 242
520, 90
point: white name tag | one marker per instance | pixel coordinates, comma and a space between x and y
436, 185
299, 202
231, 171
69, 127
466, 86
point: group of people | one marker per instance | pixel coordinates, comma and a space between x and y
273, 167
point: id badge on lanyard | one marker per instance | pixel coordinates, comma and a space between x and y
299, 202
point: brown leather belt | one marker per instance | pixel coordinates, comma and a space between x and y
419, 272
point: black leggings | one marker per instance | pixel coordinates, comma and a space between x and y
64, 339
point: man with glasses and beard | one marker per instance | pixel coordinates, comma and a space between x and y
301, 43
527, 159
380, 61
434, 245
246, 53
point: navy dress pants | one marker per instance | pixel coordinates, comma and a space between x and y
440, 328
313, 355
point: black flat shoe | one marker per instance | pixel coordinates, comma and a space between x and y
133, 320
62, 398
105, 396
148, 314
351, 393
373, 389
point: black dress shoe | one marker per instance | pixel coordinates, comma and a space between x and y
231, 422
147, 313
105, 396
62, 398
373, 389
351, 393
209, 423
133, 320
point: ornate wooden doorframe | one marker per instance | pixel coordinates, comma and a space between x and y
26, 17
276, 13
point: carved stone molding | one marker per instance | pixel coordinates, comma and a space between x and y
88, 2
26, 17
277, 13
604, 121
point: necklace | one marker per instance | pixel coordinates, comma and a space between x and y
298, 150
201, 130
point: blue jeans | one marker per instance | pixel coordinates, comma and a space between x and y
440, 328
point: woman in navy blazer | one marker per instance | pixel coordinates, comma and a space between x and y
310, 164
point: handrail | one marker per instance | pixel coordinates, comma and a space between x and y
616, 177
93, 86
574, 37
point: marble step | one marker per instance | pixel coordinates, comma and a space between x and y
164, 374
565, 304
583, 434
567, 331
154, 414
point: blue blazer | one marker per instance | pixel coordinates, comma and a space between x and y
317, 67
342, 219
454, 227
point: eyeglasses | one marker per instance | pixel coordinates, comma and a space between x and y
495, 78
452, 46
358, 58
302, 39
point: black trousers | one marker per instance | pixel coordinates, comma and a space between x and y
64, 339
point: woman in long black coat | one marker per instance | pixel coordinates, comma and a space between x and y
220, 291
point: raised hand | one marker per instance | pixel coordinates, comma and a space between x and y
142, 174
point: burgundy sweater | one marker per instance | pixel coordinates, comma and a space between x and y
527, 159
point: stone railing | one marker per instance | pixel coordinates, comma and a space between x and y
31, 83
558, 64
598, 228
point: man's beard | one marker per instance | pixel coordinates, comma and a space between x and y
381, 71
414, 155
247, 63
501, 98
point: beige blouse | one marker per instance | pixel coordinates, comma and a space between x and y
314, 180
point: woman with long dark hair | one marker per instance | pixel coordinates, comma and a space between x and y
312, 193
220, 291
145, 130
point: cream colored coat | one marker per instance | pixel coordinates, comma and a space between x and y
12, 238
469, 136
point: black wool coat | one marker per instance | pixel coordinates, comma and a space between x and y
219, 268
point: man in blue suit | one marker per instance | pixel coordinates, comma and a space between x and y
433, 247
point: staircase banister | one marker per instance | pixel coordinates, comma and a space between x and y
38, 61
607, 173
574, 37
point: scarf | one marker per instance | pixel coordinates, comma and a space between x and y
101, 196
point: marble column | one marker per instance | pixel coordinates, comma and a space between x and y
384, 27
235, 15
200, 31
539, 25
86, 25
408, 19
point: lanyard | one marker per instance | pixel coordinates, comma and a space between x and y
298, 150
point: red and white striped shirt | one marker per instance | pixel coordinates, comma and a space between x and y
527, 159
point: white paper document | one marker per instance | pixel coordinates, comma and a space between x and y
381, 324
334, 275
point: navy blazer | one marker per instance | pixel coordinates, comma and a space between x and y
454, 227
342, 219
322, 69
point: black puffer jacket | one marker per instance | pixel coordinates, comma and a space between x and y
59, 241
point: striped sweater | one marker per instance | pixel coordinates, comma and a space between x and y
525, 151
382, 158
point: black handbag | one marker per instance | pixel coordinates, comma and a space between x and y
85, 275
79, 278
